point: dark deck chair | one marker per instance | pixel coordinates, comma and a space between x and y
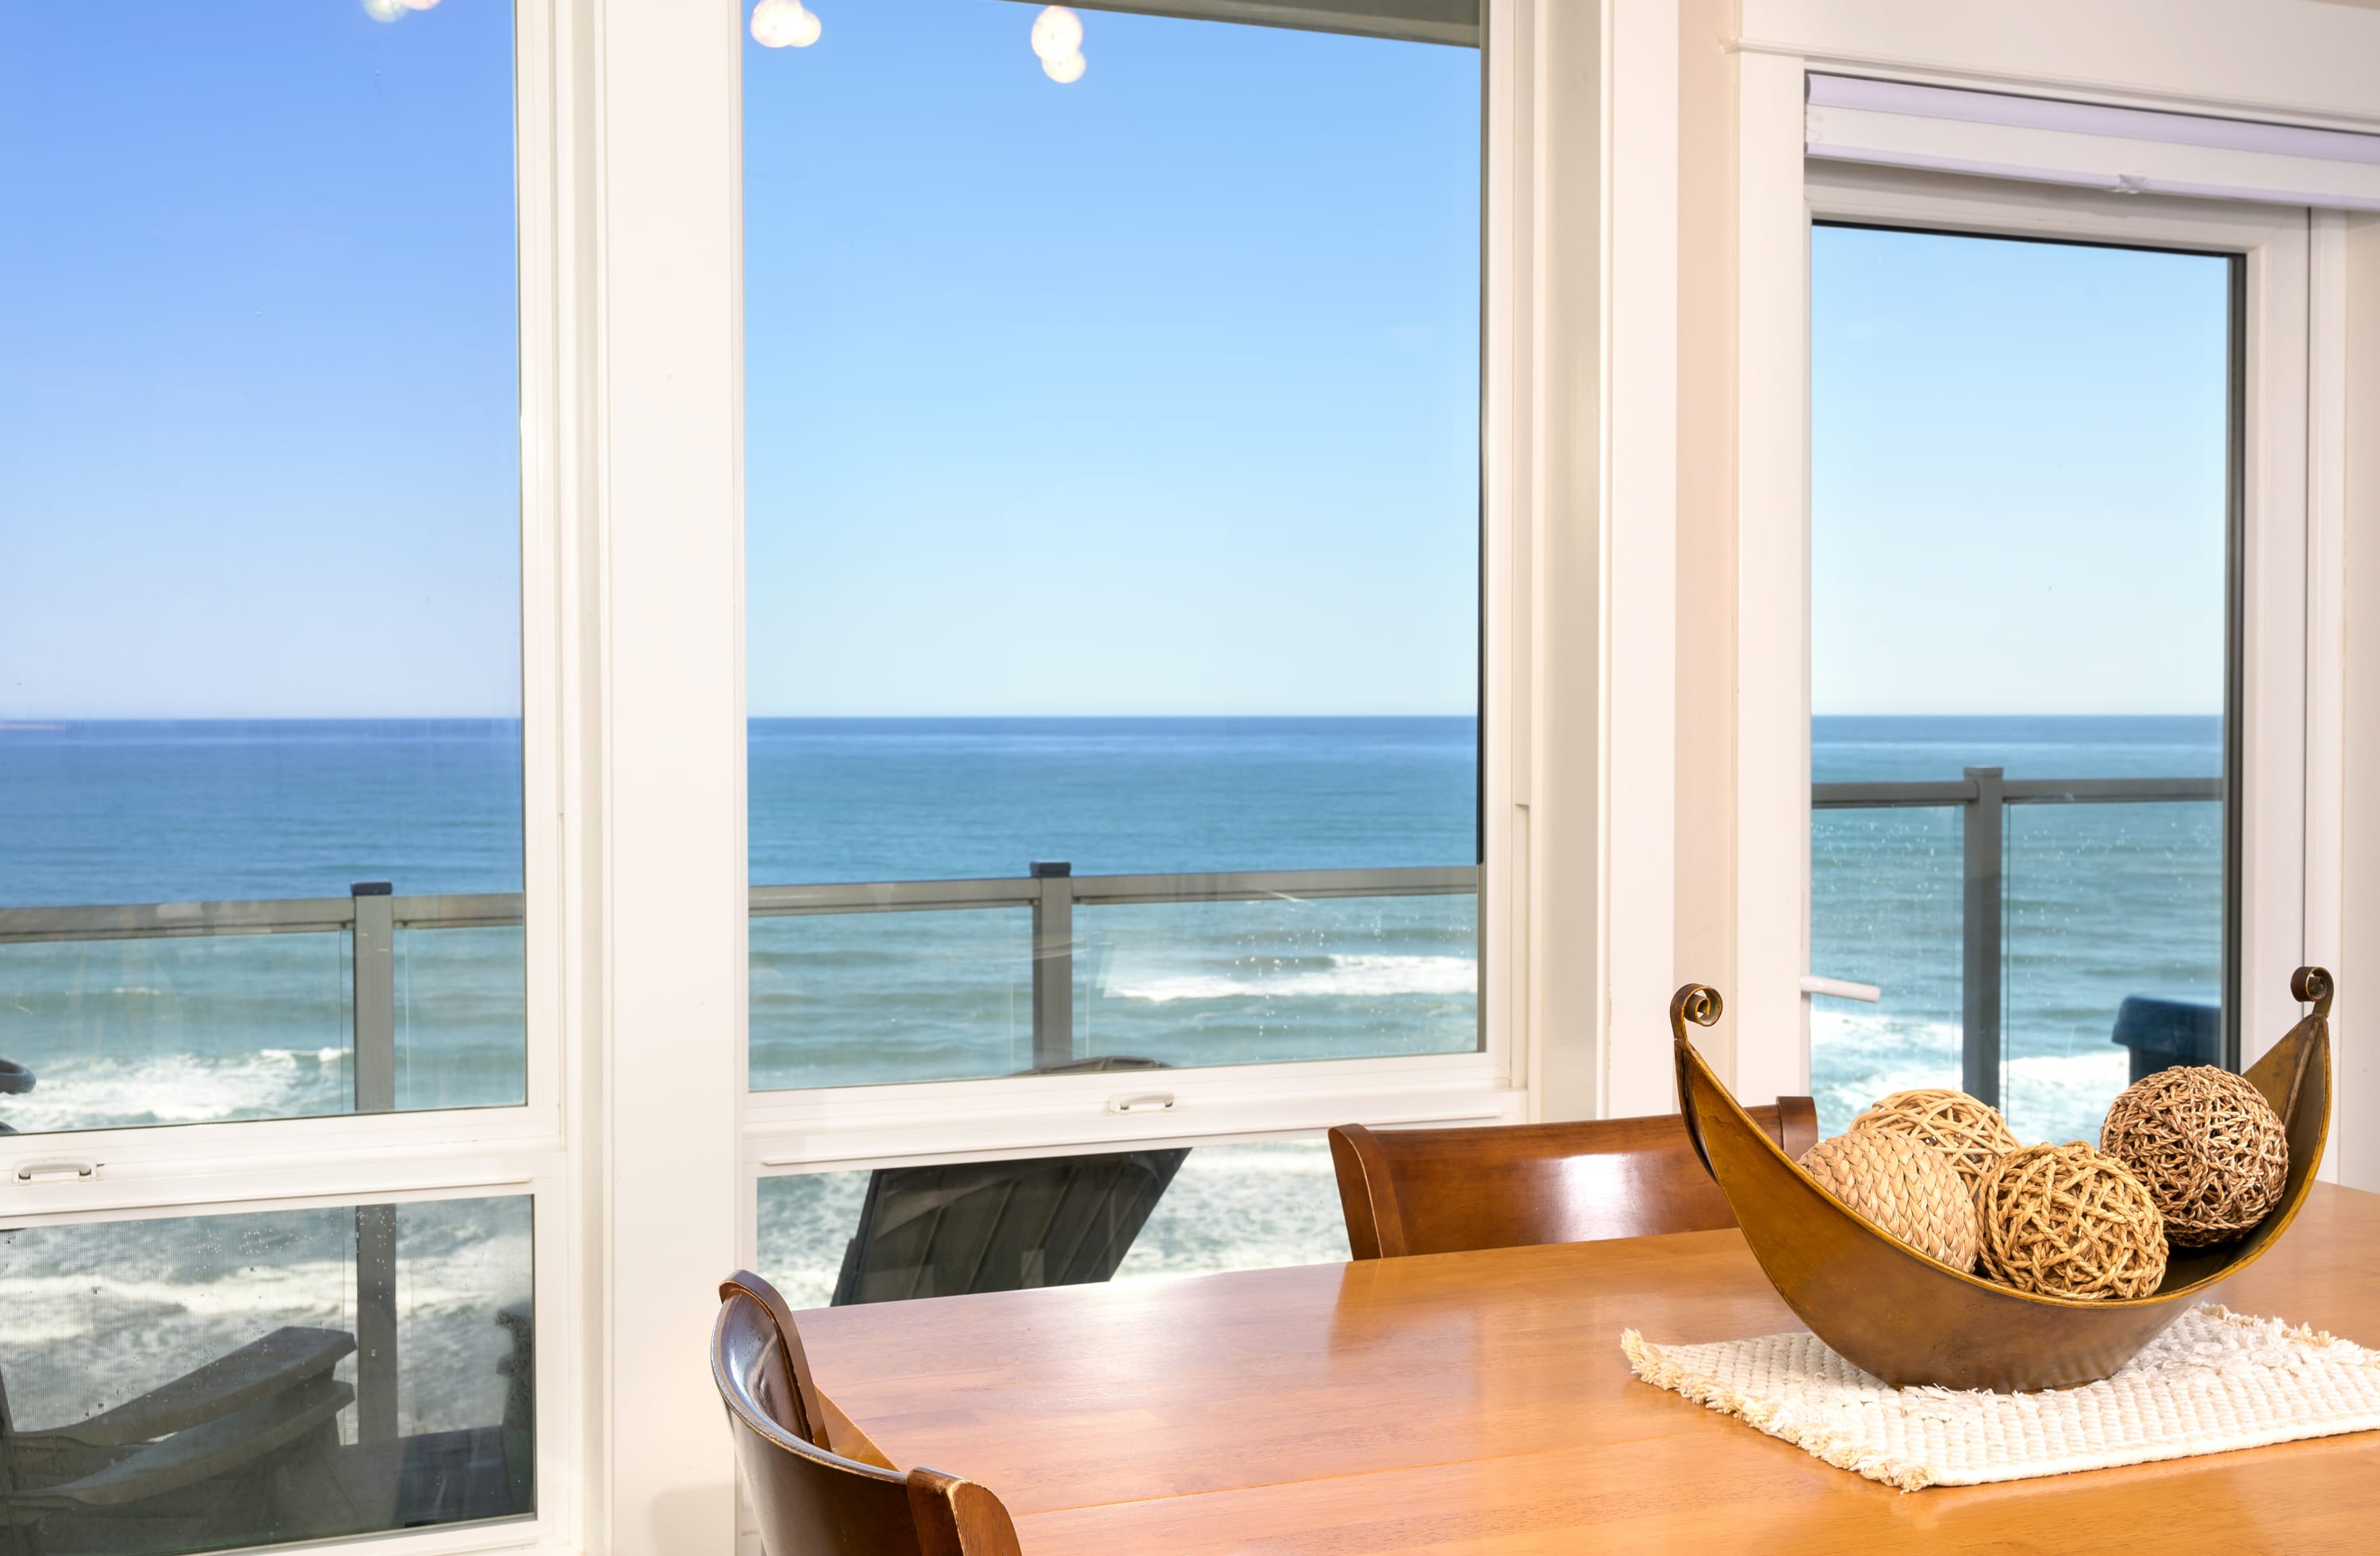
977, 1226
1051, 1221
14, 1078
2165, 1033
192, 1464
1442, 1191
812, 1500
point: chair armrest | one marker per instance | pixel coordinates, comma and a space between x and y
280, 1361
197, 1453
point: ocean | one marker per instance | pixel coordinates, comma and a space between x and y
2102, 901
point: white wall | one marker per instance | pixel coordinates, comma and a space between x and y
671, 892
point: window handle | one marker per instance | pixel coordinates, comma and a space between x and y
1142, 1103
57, 1172
1840, 988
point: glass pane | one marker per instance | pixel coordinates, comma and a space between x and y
1248, 1207
258, 562
2107, 906
856, 998
1248, 982
2020, 514
1113, 512
1885, 893
1217, 1207
279, 1311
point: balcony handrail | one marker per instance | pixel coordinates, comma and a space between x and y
2015, 791
455, 910
1112, 891
269, 916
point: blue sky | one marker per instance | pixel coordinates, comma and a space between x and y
1153, 393
258, 395
2017, 476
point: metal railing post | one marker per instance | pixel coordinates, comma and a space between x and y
376, 1323
1054, 963
1979, 934
373, 965
374, 968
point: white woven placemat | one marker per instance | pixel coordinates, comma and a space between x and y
2215, 1382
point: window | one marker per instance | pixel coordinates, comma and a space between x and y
260, 539
267, 880
2024, 526
1113, 535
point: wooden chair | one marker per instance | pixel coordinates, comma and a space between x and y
1442, 1191
812, 1500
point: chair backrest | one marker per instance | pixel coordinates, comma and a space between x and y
811, 1501
1441, 1191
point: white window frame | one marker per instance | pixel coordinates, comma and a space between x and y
341, 1160
2292, 820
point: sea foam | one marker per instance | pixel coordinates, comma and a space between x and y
1343, 977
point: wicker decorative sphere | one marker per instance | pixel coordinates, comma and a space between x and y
2211, 1150
1903, 1186
1972, 1134
2066, 1221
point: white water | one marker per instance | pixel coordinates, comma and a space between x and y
1342, 976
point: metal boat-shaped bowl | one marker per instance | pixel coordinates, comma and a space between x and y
1910, 1320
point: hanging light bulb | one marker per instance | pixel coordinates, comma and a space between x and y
784, 24
1057, 33
420, 4
1066, 70
384, 10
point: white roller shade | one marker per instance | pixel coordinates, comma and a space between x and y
2127, 149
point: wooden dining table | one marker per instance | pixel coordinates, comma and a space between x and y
1479, 1403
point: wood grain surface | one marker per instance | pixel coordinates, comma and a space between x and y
1479, 1402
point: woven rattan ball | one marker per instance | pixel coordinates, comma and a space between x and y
2066, 1221
1903, 1186
1972, 1134
2210, 1147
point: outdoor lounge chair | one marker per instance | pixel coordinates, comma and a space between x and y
196, 1463
14, 1078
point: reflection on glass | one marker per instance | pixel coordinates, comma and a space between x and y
340, 1372
258, 561
2019, 520
1218, 1208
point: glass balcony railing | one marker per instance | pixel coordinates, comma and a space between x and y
1002, 975
2049, 958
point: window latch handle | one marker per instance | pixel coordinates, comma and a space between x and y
57, 1172
1142, 1103
1840, 988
